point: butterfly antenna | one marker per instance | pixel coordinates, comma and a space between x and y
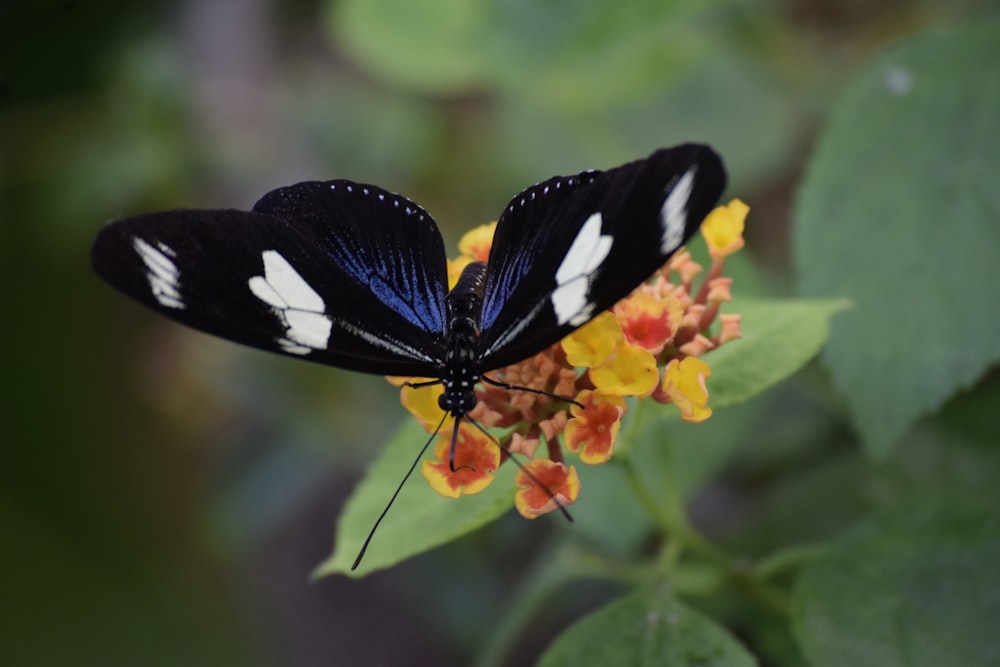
413, 466
520, 466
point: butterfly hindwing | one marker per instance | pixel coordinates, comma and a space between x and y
568, 248
335, 272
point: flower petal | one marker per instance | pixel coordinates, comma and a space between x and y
476, 458
561, 487
422, 403
594, 427
723, 228
476, 243
730, 327
632, 371
594, 342
684, 383
648, 321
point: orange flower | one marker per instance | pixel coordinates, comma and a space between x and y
476, 243
647, 321
476, 458
560, 487
594, 427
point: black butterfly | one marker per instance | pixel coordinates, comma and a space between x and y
349, 275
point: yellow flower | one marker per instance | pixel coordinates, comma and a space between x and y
423, 404
455, 268
476, 243
723, 228
632, 371
684, 383
594, 342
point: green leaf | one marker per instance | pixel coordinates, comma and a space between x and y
918, 586
675, 452
419, 520
586, 56
575, 55
607, 513
757, 136
433, 45
899, 212
779, 337
646, 628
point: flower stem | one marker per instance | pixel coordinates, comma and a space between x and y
552, 569
786, 559
670, 515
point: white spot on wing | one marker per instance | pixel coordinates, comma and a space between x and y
163, 275
673, 213
589, 250
301, 310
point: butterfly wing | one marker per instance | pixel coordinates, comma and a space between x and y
571, 247
335, 272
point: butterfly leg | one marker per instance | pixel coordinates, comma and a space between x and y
540, 392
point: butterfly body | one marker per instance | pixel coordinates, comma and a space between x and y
460, 371
353, 276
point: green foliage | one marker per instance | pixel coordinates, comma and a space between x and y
565, 51
779, 337
588, 82
420, 519
916, 585
647, 628
899, 212
433, 46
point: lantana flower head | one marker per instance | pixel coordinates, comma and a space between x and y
649, 345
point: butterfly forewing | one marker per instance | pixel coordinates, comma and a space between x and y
385, 242
337, 273
568, 248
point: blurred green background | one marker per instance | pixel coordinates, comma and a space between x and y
164, 496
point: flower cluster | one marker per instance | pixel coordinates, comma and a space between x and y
648, 345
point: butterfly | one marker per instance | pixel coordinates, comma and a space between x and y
353, 276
